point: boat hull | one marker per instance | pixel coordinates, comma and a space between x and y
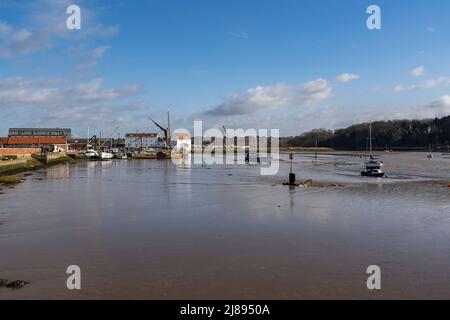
371, 173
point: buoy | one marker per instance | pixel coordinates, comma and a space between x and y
448, 185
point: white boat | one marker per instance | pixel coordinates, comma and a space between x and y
372, 173
374, 163
91, 152
106, 155
372, 167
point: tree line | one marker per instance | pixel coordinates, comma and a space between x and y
392, 134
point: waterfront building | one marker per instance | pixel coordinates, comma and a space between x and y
183, 142
40, 132
46, 144
143, 140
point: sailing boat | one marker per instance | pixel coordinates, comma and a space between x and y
166, 152
372, 167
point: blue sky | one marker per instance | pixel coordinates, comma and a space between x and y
292, 65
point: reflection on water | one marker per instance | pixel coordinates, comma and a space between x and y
158, 229
59, 172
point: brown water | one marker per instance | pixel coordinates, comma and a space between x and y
154, 230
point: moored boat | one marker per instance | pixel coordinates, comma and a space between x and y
372, 167
372, 173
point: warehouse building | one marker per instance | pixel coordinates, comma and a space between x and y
40, 132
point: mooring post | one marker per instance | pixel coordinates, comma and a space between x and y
291, 174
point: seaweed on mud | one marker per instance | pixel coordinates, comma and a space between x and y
16, 284
3, 283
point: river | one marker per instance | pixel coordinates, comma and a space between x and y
153, 229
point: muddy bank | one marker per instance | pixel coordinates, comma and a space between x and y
13, 174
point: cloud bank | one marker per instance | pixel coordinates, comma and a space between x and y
263, 98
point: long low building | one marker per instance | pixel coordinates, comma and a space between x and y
143, 140
58, 144
40, 132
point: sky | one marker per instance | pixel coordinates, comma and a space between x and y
267, 64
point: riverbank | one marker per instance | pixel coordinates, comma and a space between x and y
10, 174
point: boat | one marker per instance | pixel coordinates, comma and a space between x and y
165, 149
106, 155
91, 153
374, 163
372, 167
372, 173
122, 156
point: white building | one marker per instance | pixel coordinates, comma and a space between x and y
183, 142
143, 140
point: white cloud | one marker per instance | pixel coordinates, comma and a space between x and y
435, 109
431, 83
45, 21
272, 97
418, 71
56, 93
347, 77
61, 102
440, 107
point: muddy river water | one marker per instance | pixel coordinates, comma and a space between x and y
153, 229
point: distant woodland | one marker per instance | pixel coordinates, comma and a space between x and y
395, 134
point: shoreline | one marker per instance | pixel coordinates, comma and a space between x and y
12, 174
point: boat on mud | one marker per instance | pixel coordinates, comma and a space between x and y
372, 166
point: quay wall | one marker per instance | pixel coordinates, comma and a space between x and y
19, 152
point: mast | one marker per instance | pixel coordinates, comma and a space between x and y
291, 157
165, 130
370, 138
315, 152
168, 130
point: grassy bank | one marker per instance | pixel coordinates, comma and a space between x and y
14, 179
31, 164
9, 173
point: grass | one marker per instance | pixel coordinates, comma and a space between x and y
59, 160
15, 168
9, 174
10, 179
12, 167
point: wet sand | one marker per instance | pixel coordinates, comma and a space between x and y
156, 230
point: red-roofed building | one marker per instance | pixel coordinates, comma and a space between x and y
58, 144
